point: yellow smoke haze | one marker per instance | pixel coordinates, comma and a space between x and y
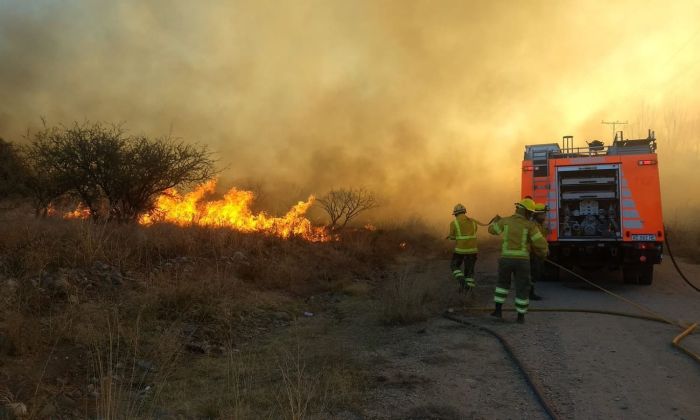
428, 103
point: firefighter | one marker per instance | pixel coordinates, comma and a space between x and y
463, 232
537, 262
520, 237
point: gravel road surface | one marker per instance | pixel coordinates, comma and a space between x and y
590, 366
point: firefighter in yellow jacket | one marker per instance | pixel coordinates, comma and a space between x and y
520, 237
463, 232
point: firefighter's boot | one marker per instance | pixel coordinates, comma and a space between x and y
533, 295
498, 312
467, 286
521, 318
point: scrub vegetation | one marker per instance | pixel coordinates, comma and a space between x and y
120, 320
114, 175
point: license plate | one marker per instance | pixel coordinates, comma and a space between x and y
644, 237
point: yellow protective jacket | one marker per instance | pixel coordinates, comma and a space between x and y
543, 230
463, 230
542, 227
519, 237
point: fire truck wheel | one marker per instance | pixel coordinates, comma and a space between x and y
646, 274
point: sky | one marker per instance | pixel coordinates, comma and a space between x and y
427, 103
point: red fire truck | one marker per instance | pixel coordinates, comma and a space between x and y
604, 204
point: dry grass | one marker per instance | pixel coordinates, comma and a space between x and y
404, 297
357, 289
128, 370
414, 294
84, 307
299, 387
301, 373
684, 238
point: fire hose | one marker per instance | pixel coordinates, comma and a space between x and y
686, 329
539, 393
673, 260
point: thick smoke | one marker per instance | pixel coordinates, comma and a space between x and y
427, 103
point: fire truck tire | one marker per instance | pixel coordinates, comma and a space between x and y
646, 274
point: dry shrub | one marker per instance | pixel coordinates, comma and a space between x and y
25, 252
299, 386
403, 299
414, 294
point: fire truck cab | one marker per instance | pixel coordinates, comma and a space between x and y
604, 204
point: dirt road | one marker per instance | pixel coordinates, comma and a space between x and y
591, 366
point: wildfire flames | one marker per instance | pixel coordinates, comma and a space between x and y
233, 211
80, 212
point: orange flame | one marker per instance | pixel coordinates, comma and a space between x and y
80, 212
233, 210
50, 210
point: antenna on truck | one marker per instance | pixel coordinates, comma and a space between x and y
614, 123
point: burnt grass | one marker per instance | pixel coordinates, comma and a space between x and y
114, 321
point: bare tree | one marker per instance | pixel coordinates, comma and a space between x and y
74, 160
151, 167
343, 205
114, 175
43, 187
12, 171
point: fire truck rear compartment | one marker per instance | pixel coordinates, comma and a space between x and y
589, 203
